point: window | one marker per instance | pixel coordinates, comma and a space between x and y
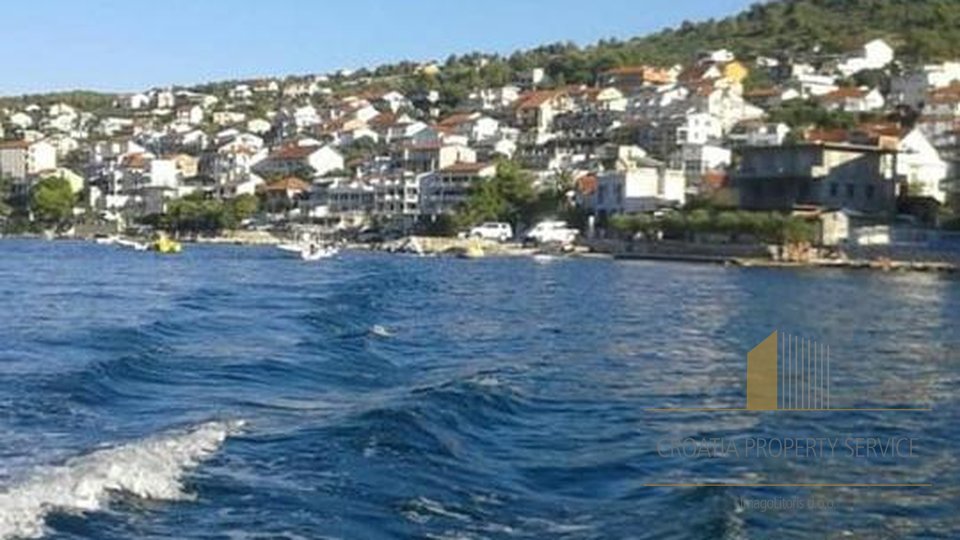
850, 191
833, 190
870, 192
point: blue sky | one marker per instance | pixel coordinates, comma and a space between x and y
135, 44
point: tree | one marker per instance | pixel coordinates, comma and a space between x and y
243, 206
52, 202
194, 214
507, 196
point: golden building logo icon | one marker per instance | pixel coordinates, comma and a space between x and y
786, 372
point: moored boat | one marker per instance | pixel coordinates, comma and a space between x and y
166, 245
315, 253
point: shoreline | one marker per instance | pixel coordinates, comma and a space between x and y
452, 247
852, 264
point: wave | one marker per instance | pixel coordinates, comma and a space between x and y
151, 468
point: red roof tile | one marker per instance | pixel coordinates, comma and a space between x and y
462, 167
291, 183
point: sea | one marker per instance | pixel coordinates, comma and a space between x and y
239, 393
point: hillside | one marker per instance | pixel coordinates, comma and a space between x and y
921, 30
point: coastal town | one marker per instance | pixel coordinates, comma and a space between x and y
830, 155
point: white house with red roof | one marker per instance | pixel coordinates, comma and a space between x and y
290, 159
851, 99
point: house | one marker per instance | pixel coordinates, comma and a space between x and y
631, 78
21, 160
851, 99
259, 126
446, 189
392, 101
63, 123
430, 156
719, 55
397, 197
911, 88
240, 92
165, 99
20, 119
64, 144
192, 139
493, 99
355, 133
608, 99
641, 184
874, 55
393, 199
699, 160
295, 89
162, 173
305, 116
266, 86
474, 126
920, 166
186, 165
189, 114
114, 149
944, 102
532, 78
726, 103
135, 101
824, 174
698, 128
771, 97
342, 203
284, 194
718, 74
308, 160
189, 97
246, 185
228, 118
814, 84
758, 133
536, 110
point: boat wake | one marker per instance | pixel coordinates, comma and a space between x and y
150, 468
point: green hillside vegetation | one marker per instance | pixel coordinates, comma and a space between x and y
814, 30
80, 99
920, 30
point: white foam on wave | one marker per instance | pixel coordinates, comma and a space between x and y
381, 331
151, 468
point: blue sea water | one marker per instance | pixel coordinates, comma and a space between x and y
236, 393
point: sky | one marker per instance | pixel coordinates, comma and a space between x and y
131, 45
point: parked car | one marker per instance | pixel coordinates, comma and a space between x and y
500, 232
547, 232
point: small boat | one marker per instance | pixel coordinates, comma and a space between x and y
315, 253
166, 245
544, 258
131, 244
291, 248
106, 240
